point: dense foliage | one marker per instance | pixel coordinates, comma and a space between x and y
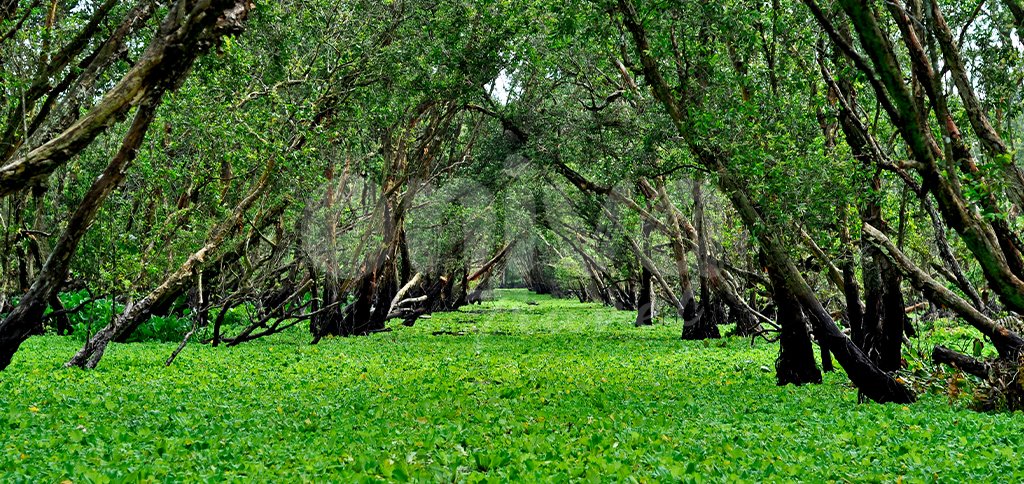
837, 181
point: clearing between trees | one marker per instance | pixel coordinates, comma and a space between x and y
525, 387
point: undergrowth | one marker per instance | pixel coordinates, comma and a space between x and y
523, 388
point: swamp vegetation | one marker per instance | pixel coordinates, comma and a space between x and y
555, 390
461, 240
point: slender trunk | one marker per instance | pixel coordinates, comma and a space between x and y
949, 259
710, 312
678, 244
20, 323
645, 303
134, 315
851, 291
991, 141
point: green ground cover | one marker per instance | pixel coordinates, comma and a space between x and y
529, 389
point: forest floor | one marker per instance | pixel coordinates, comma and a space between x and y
529, 388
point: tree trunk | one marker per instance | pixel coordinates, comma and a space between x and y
134, 315
678, 244
375, 286
795, 364
884, 317
645, 303
991, 243
710, 311
20, 323
943, 355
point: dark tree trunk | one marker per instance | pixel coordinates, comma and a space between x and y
710, 310
973, 366
645, 303
60, 318
796, 364
25, 318
894, 319
374, 288
826, 356
884, 315
746, 323
851, 290
1008, 343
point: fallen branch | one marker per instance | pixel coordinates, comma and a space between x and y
181, 346
960, 361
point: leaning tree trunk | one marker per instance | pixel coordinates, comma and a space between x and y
133, 316
20, 323
187, 31
990, 240
876, 384
678, 244
1008, 343
486, 273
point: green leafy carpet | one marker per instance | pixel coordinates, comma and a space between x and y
546, 391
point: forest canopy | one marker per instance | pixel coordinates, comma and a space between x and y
830, 177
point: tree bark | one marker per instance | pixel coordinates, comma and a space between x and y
183, 34
134, 315
991, 141
19, 324
883, 318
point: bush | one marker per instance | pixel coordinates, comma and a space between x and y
169, 328
97, 314
90, 318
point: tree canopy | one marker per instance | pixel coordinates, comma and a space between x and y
820, 174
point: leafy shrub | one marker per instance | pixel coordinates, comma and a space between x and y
90, 318
97, 314
169, 328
